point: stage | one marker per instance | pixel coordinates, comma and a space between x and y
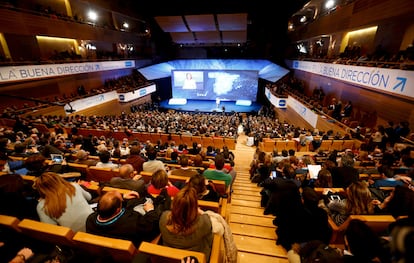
211, 106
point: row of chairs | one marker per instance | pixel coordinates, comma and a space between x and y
93, 185
118, 250
154, 137
268, 145
338, 145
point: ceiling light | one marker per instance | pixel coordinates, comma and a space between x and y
92, 15
303, 19
329, 4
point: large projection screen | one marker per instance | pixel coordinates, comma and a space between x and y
226, 85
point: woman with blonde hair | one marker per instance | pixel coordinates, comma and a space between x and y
358, 201
185, 226
61, 202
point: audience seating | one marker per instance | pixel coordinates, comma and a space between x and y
378, 223
363, 176
160, 254
164, 254
218, 142
268, 145
290, 145
348, 144
176, 138
197, 139
155, 137
207, 141
118, 249
82, 168
337, 145
108, 189
42, 128
321, 190
164, 137
186, 139
145, 136
280, 145
325, 145
303, 148
8, 123
10, 222
230, 143
99, 174
54, 234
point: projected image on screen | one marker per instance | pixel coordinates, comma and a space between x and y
226, 85
187, 83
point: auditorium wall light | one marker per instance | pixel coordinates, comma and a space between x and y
92, 15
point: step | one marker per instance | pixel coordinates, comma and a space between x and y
246, 187
245, 197
246, 192
251, 220
245, 257
247, 203
253, 231
242, 181
259, 246
244, 210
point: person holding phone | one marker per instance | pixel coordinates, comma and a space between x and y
358, 201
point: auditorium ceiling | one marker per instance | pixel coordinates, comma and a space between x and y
220, 22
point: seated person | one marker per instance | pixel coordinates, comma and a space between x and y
82, 157
128, 179
61, 202
218, 173
152, 164
184, 170
17, 197
205, 189
159, 181
387, 178
105, 160
358, 201
186, 226
173, 158
115, 217
364, 245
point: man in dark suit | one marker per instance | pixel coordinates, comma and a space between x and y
117, 218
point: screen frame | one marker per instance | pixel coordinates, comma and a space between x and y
206, 88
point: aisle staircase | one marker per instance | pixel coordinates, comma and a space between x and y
253, 232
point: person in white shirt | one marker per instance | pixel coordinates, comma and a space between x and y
152, 164
189, 82
105, 160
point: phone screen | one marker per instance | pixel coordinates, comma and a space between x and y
273, 174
